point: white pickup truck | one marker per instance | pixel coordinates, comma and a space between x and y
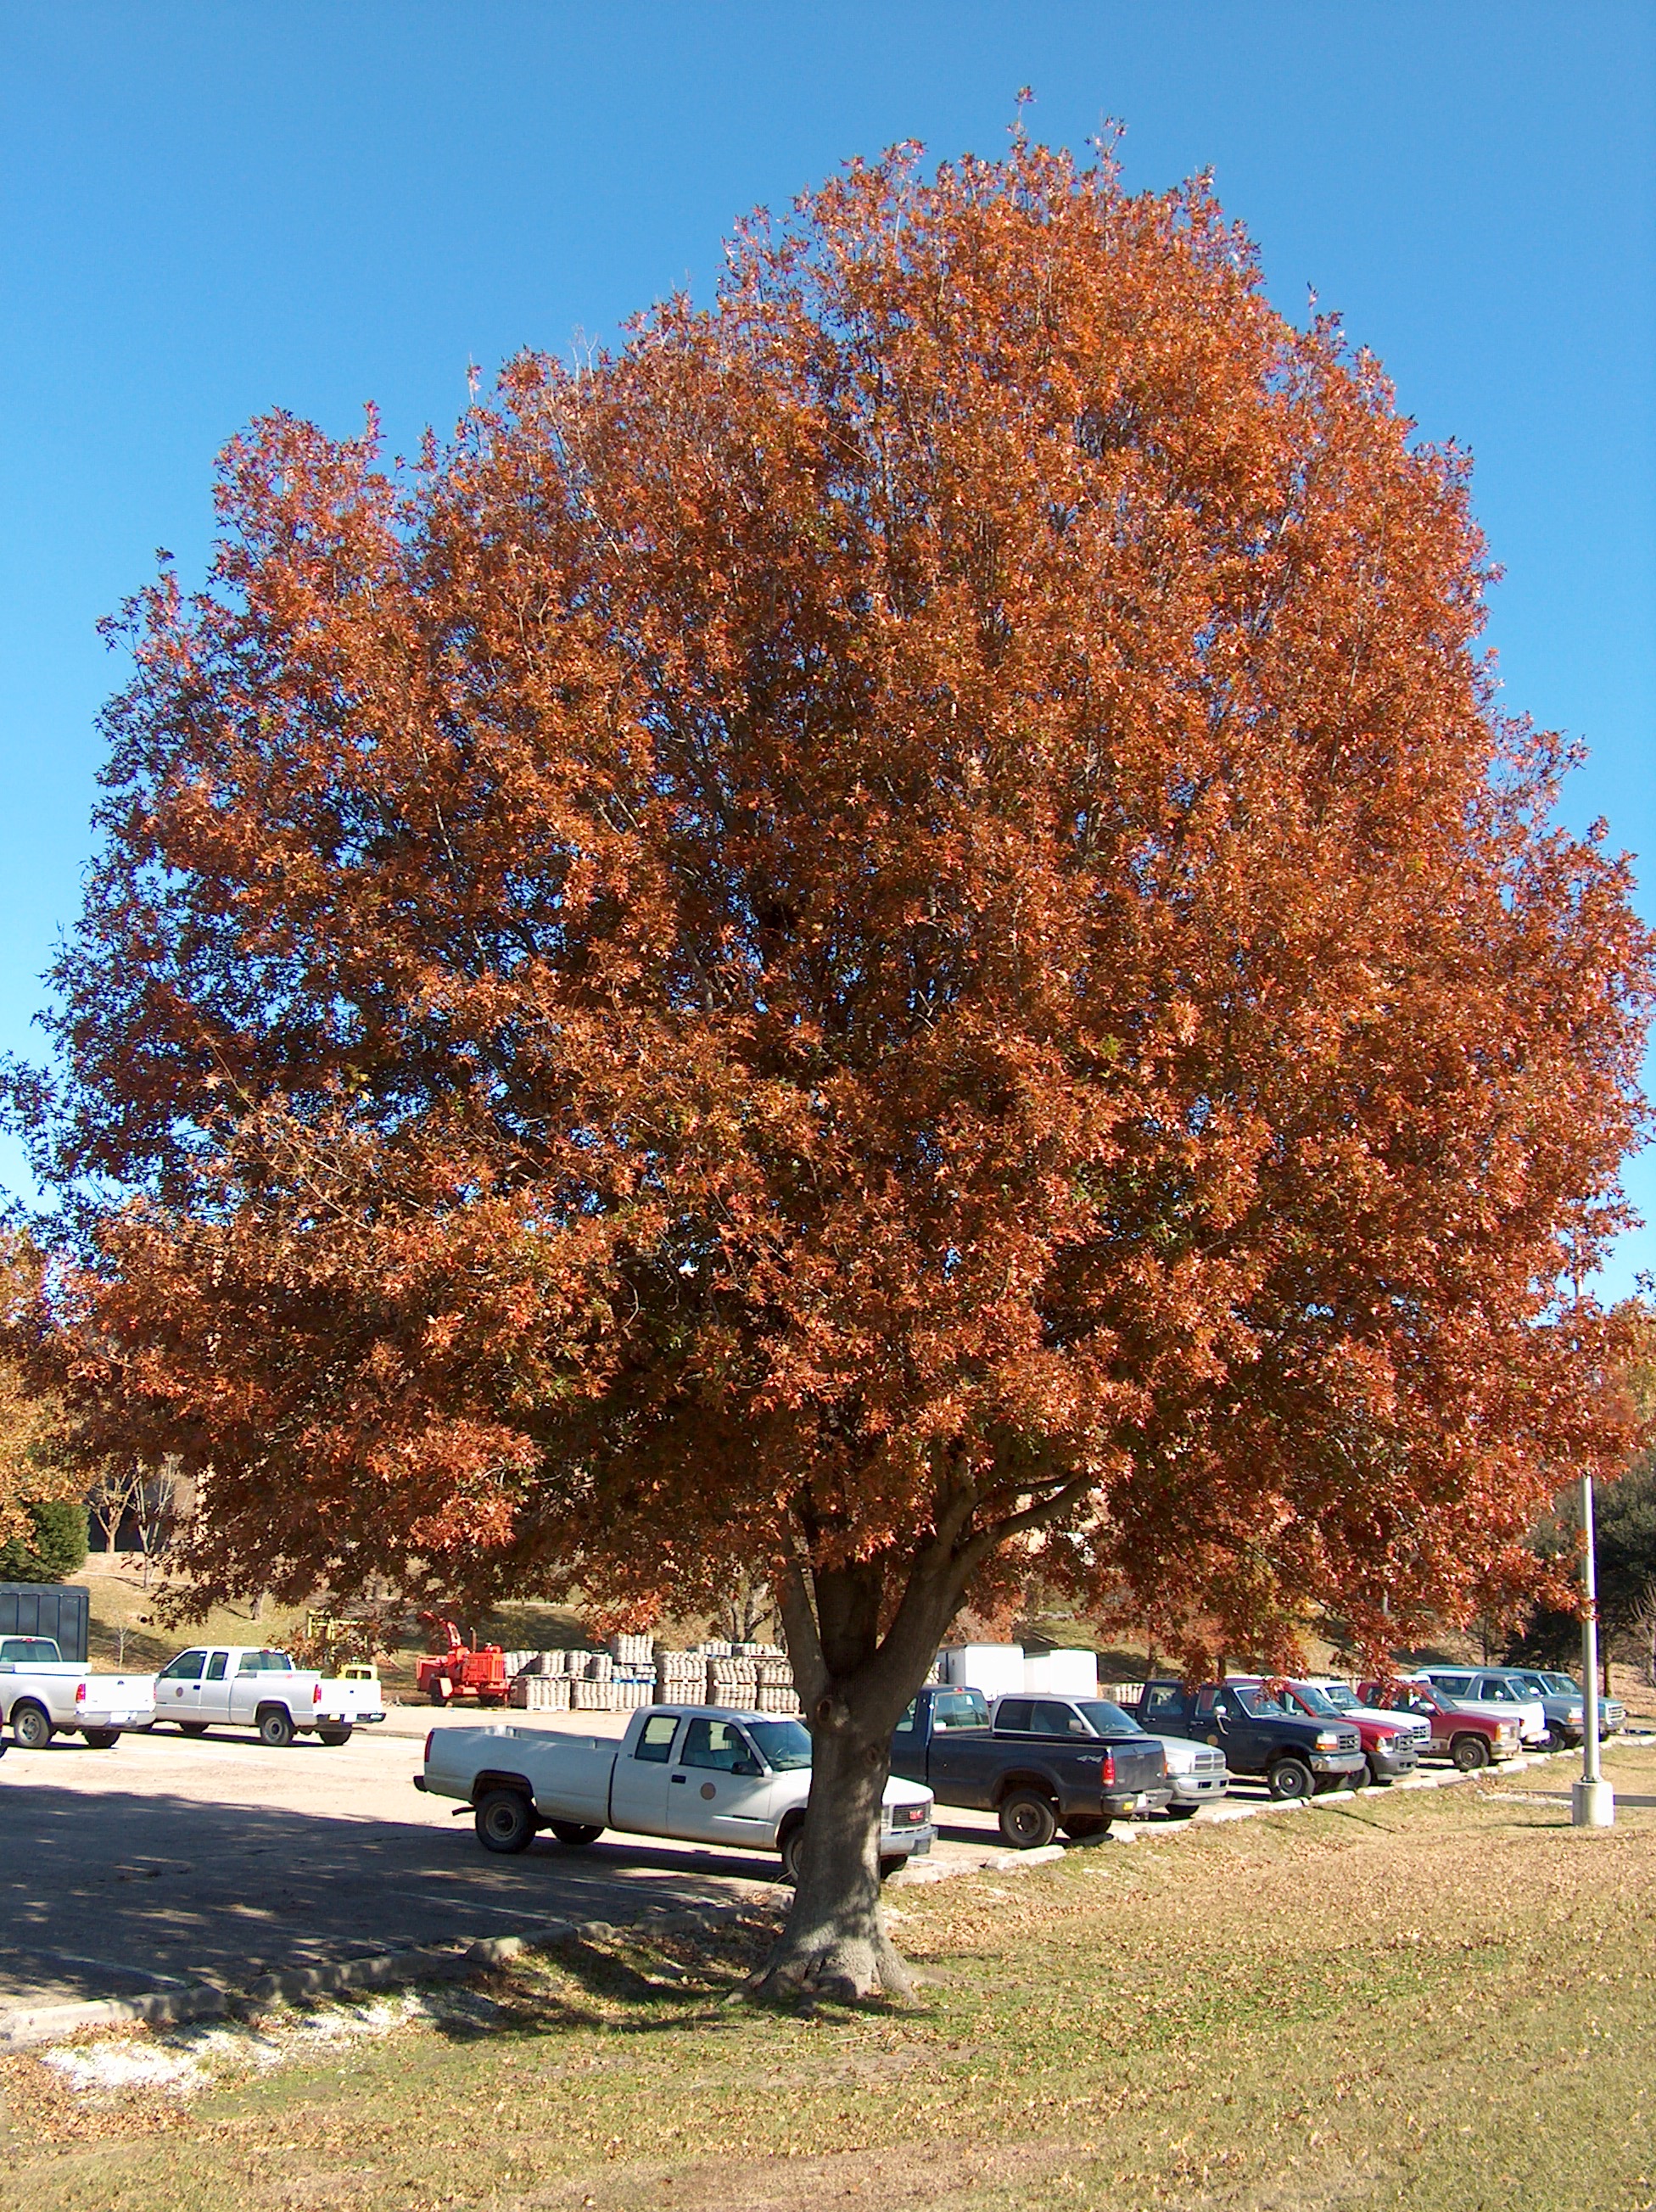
42, 1695
706, 1774
234, 1686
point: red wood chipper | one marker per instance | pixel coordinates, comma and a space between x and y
458, 1671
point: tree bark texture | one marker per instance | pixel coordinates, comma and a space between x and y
855, 1682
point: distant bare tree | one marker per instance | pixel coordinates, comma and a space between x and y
155, 1508
745, 1608
114, 1495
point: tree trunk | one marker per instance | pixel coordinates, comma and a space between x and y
835, 1941
853, 1684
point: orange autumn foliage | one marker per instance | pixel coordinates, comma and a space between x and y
891, 934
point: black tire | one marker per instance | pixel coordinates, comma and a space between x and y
1557, 1739
193, 1727
1470, 1752
1029, 1820
1290, 1780
791, 1846
433, 1694
102, 1738
31, 1727
889, 1867
1177, 1811
1376, 1779
333, 1735
1084, 1826
275, 1727
574, 1835
505, 1822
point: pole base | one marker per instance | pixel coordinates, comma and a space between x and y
1593, 1805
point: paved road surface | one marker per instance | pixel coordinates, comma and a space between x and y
167, 1861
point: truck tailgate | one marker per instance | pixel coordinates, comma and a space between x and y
1138, 1766
568, 1776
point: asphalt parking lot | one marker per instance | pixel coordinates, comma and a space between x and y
166, 1862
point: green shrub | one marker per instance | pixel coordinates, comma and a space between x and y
54, 1548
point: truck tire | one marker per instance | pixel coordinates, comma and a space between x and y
433, 1691
333, 1735
575, 1835
193, 1727
1084, 1826
889, 1867
1289, 1779
1470, 1752
1179, 1812
102, 1738
1029, 1820
1375, 1779
275, 1727
505, 1822
31, 1725
1557, 1739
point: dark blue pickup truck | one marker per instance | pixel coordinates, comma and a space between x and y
1045, 1763
1259, 1733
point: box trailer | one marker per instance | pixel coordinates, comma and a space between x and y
62, 1611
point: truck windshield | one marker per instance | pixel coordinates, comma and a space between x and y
1316, 1701
1558, 1686
1106, 1719
1338, 1696
30, 1651
1261, 1704
783, 1745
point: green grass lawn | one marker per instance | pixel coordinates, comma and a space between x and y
1439, 2000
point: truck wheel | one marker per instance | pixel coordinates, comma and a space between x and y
1557, 1739
889, 1867
333, 1735
1470, 1752
433, 1691
193, 1727
576, 1834
1289, 1780
102, 1738
506, 1821
275, 1727
1084, 1827
1028, 1820
1375, 1779
31, 1727
1178, 1812
792, 1848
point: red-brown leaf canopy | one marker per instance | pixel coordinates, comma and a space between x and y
899, 909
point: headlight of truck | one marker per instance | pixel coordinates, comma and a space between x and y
1328, 1739
1572, 1712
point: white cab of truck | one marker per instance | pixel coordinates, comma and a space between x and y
234, 1686
42, 1695
705, 1774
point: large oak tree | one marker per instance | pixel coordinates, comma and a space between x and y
891, 935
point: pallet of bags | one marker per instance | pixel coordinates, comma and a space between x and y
540, 1694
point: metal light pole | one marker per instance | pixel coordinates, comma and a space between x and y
1593, 1802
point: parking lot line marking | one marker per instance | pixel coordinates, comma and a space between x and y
104, 1966
466, 1905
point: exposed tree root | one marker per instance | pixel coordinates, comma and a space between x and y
848, 1968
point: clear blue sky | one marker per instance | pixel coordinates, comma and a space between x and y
213, 209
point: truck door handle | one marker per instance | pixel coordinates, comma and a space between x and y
677, 1777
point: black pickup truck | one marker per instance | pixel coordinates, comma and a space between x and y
1046, 1763
1259, 1733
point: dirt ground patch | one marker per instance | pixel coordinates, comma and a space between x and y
1439, 2001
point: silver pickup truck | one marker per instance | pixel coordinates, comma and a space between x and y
42, 1695
705, 1774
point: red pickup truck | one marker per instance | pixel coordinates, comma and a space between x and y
1470, 1734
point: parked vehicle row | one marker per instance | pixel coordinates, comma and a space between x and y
224, 1685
